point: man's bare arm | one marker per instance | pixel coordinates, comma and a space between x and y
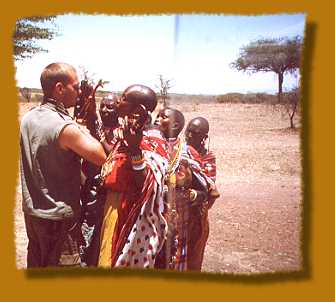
82, 143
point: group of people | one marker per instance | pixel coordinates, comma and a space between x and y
113, 188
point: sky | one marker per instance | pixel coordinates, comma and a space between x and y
192, 51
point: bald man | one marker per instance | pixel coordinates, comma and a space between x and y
51, 148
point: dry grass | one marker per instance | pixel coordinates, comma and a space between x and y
255, 225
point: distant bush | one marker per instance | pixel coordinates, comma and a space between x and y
290, 102
34, 98
230, 98
26, 93
248, 98
291, 96
38, 97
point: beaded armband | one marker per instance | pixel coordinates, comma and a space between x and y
137, 162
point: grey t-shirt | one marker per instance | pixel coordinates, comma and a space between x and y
50, 176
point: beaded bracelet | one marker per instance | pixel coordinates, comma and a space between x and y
137, 161
138, 167
136, 158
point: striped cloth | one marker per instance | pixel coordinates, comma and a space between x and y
204, 169
140, 229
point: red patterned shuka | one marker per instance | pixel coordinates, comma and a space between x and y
140, 229
204, 171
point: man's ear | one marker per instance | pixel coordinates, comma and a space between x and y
59, 88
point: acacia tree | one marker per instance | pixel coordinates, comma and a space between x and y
282, 55
291, 104
27, 32
164, 86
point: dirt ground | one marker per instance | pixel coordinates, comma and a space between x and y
255, 226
